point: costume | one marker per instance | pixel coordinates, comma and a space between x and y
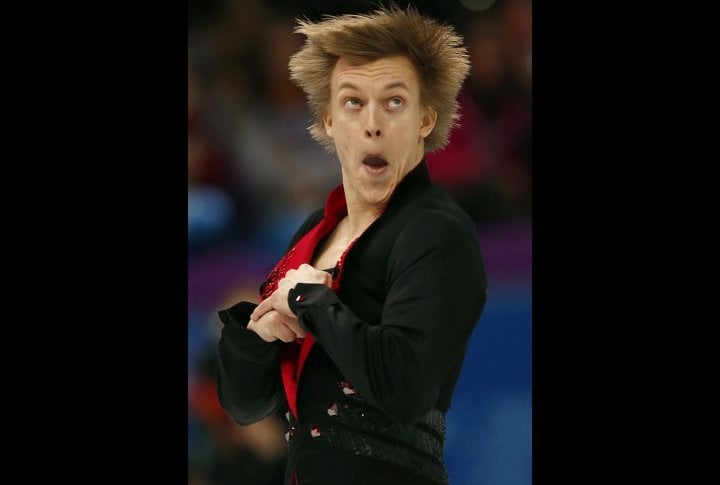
368, 388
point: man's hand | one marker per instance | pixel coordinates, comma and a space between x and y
273, 325
278, 300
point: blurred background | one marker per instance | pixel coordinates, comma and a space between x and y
249, 153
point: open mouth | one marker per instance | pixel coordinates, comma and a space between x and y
374, 163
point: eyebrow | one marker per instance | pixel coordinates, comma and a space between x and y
348, 85
396, 84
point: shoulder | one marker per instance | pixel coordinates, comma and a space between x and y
437, 228
434, 214
438, 242
311, 221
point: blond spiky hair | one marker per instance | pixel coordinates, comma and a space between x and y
436, 51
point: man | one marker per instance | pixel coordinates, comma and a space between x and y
363, 325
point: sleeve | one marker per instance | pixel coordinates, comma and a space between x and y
249, 382
436, 292
249, 385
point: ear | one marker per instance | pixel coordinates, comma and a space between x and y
327, 121
427, 122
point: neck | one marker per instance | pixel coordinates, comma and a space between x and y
360, 214
358, 219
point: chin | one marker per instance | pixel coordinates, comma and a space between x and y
377, 198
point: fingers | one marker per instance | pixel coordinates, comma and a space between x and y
261, 331
278, 300
307, 274
273, 325
270, 332
293, 324
260, 310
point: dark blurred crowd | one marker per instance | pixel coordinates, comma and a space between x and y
254, 173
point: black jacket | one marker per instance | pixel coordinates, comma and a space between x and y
388, 350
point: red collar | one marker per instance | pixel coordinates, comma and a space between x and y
335, 204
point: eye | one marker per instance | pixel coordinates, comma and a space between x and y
395, 102
353, 103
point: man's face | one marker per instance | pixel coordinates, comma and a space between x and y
378, 126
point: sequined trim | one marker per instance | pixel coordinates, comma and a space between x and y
414, 437
339, 266
357, 428
380, 448
278, 272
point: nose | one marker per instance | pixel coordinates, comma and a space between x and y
372, 126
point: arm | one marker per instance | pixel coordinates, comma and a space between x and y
249, 383
436, 291
249, 386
